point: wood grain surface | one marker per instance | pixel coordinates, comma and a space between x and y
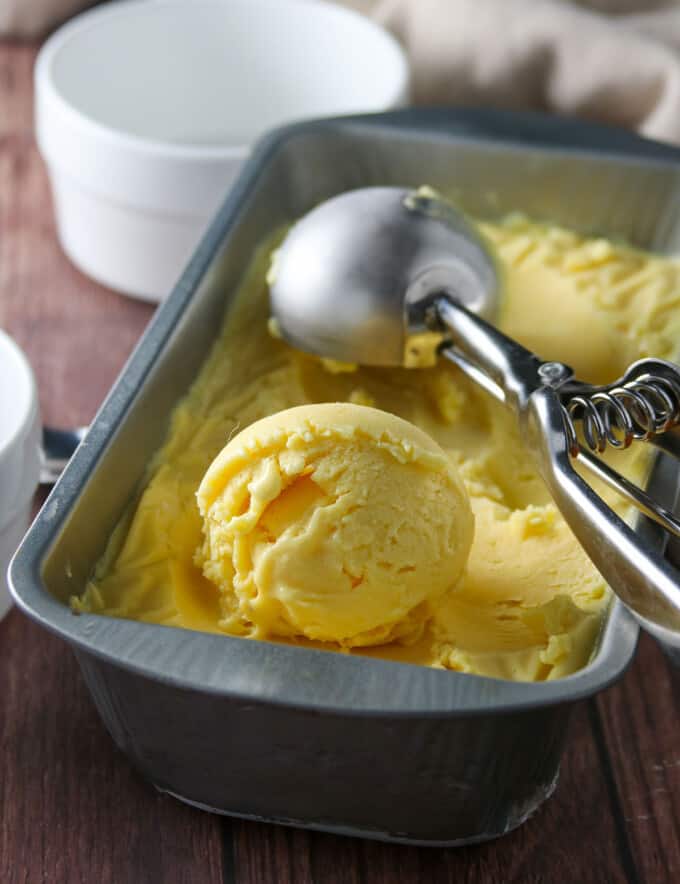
73, 810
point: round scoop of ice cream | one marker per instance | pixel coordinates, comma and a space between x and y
336, 522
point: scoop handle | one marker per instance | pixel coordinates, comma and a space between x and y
637, 572
646, 582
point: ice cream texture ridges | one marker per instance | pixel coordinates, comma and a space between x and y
336, 522
529, 603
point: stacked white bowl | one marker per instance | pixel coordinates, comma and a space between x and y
145, 112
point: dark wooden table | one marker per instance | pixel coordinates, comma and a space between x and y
71, 808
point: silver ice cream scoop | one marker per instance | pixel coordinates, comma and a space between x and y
362, 273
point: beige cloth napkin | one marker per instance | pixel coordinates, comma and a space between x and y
32, 18
612, 60
617, 61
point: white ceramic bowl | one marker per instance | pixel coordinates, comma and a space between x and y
146, 110
19, 453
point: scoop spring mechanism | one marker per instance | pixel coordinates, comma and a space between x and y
641, 407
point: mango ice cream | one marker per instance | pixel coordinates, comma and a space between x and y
335, 522
253, 555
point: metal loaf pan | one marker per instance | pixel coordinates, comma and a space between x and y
305, 737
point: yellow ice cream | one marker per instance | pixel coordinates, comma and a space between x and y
529, 603
334, 522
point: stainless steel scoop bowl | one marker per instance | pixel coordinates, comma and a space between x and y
354, 276
360, 274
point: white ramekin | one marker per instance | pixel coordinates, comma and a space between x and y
19, 453
146, 110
